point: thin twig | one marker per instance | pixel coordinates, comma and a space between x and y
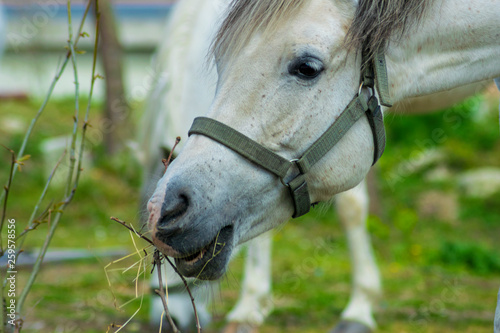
91, 92
33, 225
7, 189
4, 212
166, 162
198, 326
70, 192
30, 225
126, 225
55, 80
21, 153
161, 291
72, 154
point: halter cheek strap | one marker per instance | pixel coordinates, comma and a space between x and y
374, 74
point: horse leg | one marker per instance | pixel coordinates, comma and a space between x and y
497, 315
254, 303
352, 207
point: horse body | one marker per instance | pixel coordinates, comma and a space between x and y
455, 45
216, 199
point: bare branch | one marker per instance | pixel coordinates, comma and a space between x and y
70, 191
49, 93
161, 291
6, 189
166, 162
31, 225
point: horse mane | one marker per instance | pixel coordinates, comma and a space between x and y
375, 21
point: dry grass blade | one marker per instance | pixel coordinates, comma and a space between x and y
142, 298
157, 259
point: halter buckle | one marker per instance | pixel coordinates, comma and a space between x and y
298, 190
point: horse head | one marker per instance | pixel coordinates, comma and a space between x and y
288, 72
283, 80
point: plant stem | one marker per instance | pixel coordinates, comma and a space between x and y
7, 188
59, 72
72, 154
198, 326
161, 291
3, 315
38, 263
91, 92
70, 191
20, 238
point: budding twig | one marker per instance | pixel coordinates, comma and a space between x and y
6, 189
70, 191
31, 225
56, 78
166, 162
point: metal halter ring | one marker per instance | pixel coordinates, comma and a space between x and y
292, 162
362, 85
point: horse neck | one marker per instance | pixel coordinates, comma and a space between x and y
456, 43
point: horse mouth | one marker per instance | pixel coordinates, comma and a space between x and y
209, 262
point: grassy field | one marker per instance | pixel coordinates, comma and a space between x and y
436, 246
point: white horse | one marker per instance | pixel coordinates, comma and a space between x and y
496, 323
276, 86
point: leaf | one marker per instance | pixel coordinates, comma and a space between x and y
24, 158
84, 34
56, 206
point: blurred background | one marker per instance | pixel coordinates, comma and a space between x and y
434, 221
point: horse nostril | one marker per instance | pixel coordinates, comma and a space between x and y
171, 209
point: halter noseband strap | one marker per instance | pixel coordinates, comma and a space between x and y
374, 74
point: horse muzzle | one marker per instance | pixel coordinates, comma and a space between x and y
201, 246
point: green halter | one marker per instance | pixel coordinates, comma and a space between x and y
374, 74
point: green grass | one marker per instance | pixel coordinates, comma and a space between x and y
439, 275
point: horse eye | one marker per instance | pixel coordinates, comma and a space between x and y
307, 70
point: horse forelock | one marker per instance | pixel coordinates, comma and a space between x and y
246, 17
374, 22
